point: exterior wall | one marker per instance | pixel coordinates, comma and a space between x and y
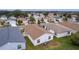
13, 46
44, 38
62, 34
45, 20
60, 20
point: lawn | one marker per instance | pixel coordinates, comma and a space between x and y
62, 44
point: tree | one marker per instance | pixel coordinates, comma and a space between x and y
75, 38
45, 13
66, 16
32, 19
17, 13
2, 22
19, 22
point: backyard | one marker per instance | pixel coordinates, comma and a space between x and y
56, 44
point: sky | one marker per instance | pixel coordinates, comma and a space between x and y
43, 9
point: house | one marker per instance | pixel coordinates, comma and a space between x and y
73, 19
58, 30
25, 22
74, 27
3, 18
57, 19
42, 15
11, 39
12, 23
48, 18
37, 35
36, 17
12, 18
21, 18
29, 14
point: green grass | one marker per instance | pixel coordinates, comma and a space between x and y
65, 44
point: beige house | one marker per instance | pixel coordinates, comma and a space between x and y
59, 31
72, 26
37, 35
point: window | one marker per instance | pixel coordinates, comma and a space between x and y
49, 37
68, 32
57, 20
38, 41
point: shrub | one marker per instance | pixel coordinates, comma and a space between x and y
75, 38
19, 46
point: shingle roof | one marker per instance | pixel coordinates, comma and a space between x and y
10, 34
34, 31
71, 25
15, 35
55, 27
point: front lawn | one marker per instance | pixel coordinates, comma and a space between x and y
62, 44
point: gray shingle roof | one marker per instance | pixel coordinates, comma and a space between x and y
10, 34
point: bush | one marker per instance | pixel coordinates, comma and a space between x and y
75, 38
19, 22
19, 46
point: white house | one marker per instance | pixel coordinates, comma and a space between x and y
42, 15
73, 19
3, 18
12, 18
12, 23
36, 17
57, 19
58, 30
46, 20
37, 35
29, 14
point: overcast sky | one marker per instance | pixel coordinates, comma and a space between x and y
43, 9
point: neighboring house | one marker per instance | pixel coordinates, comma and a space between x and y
58, 30
21, 18
3, 18
12, 18
73, 19
37, 35
46, 19
36, 17
72, 26
29, 14
11, 39
25, 22
57, 19
12, 23
42, 15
